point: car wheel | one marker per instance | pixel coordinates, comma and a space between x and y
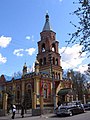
83, 111
58, 115
71, 114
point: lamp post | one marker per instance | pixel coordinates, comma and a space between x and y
53, 84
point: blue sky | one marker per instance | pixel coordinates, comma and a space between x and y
21, 22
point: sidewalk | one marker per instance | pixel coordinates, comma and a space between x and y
26, 117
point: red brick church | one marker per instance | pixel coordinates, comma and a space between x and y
45, 81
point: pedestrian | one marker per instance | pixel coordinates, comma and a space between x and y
22, 111
13, 111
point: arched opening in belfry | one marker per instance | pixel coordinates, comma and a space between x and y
43, 47
41, 62
53, 48
56, 62
58, 75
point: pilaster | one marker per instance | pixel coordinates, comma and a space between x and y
5, 97
23, 89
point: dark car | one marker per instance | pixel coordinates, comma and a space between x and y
87, 106
70, 109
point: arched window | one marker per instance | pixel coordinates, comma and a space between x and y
28, 87
43, 47
18, 93
41, 63
28, 96
29, 90
45, 91
44, 60
58, 75
56, 63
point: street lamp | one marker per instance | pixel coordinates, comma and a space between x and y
53, 84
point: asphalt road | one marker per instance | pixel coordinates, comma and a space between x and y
83, 116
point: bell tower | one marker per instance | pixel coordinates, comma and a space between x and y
48, 54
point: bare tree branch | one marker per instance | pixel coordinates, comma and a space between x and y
82, 33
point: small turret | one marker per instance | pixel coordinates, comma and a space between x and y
36, 66
24, 69
69, 75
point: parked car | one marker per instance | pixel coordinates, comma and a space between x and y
87, 106
72, 108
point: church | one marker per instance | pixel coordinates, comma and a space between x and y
41, 87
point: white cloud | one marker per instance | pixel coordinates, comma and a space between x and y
82, 68
28, 37
2, 59
71, 58
30, 51
4, 41
18, 52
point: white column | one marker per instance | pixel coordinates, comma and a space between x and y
71, 97
76, 97
84, 99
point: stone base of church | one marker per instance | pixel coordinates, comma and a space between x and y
45, 110
2, 112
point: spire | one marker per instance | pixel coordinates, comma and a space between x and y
25, 65
47, 26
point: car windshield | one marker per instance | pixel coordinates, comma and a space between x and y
73, 103
70, 104
62, 108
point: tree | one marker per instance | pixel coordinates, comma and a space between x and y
82, 33
79, 82
17, 74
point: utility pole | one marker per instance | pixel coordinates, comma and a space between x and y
53, 82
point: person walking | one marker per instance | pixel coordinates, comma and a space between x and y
22, 111
13, 111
